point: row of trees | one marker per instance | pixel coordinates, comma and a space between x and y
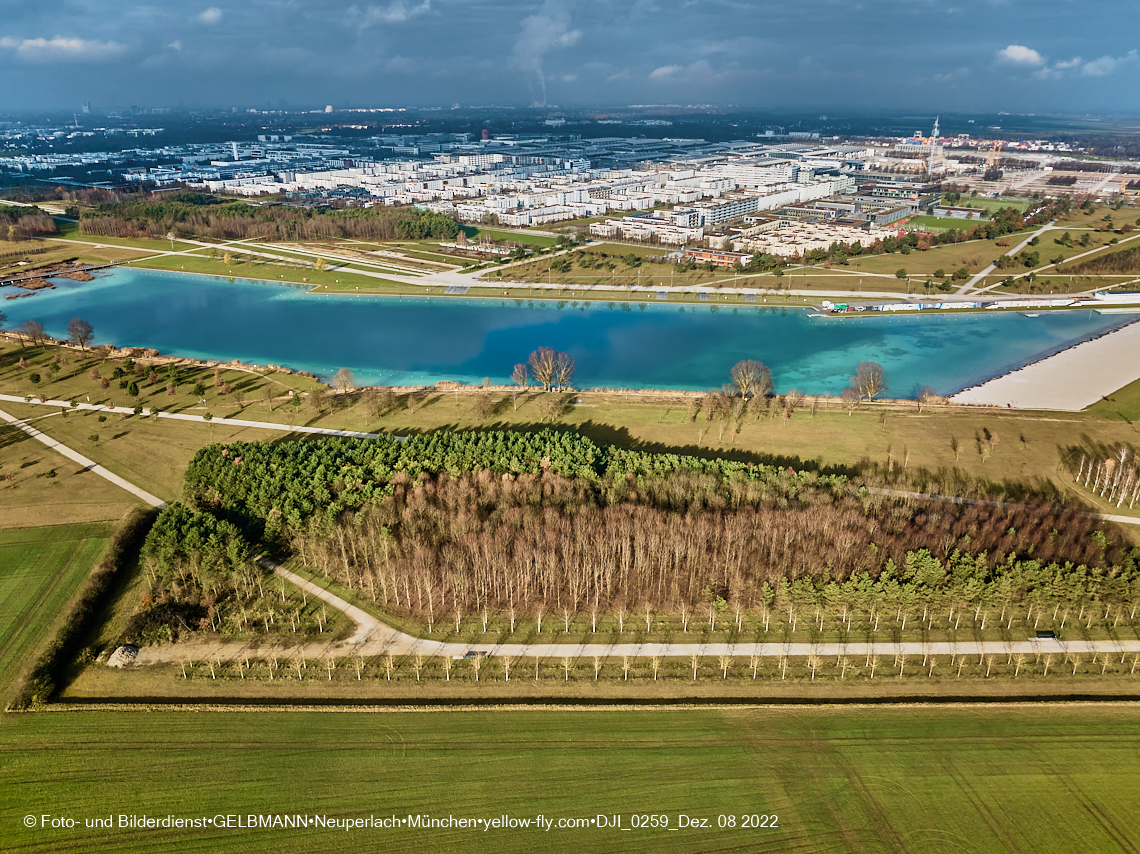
195, 215
79, 331
752, 378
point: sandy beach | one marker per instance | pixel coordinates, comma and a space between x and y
1068, 381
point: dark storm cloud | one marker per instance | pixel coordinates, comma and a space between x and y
949, 54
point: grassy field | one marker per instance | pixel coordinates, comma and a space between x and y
973, 255
40, 570
154, 453
858, 779
1123, 404
150, 454
36, 481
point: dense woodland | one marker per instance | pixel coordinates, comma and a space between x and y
22, 223
521, 523
188, 214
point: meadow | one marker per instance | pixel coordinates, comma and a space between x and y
35, 482
40, 570
950, 779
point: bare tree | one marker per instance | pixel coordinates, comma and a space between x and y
563, 370
80, 332
926, 396
850, 398
752, 377
344, 380
33, 330
520, 376
542, 364
551, 405
869, 380
484, 407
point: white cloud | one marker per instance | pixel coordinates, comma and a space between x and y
211, 15
1106, 64
569, 78
664, 72
1092, 68
1019, 54
176, 44
952, 76
59, 49
395, 12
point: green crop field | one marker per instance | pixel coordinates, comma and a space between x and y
927, 779
40, 570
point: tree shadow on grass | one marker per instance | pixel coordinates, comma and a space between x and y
10, 436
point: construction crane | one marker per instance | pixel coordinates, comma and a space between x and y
993, 158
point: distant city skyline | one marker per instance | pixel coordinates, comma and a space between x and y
970, 55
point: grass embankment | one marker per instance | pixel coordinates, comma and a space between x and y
40, 570
1123, 404
951, 779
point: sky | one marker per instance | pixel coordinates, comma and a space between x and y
1067, 56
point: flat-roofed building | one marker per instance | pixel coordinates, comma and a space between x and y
719, 257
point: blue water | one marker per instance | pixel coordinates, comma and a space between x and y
416, 340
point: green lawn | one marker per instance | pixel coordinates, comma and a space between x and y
952, 779
40, 570
992, 204
1123, 404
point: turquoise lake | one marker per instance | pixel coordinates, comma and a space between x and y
418, 340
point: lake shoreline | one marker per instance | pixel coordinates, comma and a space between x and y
658, 349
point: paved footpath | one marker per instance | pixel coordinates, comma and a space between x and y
384, 640
182, 416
